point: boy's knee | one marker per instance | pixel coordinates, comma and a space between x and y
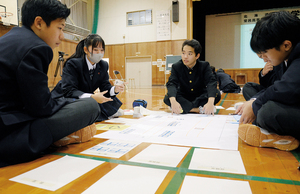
267, 114
94, 105
89, 105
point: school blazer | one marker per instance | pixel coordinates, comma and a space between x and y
272, 75
224, 79
286, 89
76, 79
191, 83
24, 92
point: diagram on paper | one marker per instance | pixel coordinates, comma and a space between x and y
111, 148
219, 131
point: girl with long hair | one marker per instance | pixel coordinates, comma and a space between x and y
85, 72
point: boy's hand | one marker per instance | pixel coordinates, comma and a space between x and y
268, 67
176, 107
209, 106
208, 109
247, 112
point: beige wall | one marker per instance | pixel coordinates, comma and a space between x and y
222, 41
112, 21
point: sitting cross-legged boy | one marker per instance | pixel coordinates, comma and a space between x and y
192, 87
31, 117
275, 112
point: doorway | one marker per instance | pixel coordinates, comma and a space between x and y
139, 71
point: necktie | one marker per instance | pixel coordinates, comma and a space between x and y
91, 73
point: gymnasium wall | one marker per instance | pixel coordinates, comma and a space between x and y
112, 25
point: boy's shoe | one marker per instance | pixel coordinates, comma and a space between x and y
256, 136
80, 136
119, 113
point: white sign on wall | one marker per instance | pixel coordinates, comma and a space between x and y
163, 25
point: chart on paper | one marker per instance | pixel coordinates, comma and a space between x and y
219, 131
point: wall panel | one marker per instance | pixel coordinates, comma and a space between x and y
68, 47
176, 47
117, 60
147, 48
163, 48
131, 49
252, 74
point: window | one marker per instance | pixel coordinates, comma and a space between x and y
139, 17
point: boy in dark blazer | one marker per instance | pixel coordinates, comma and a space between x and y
31, 119
191, 83
267, 76
276, 111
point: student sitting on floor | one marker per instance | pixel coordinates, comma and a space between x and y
31, 119
191, 84
85, 71
276, 111
226, 84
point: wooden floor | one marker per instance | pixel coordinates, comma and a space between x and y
268, 170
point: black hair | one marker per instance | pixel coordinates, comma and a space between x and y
49, 10
213, 68
220, 70
91, 40
194, 44
273, 29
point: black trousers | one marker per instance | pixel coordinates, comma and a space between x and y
109, 108
26, 141
280, 118
187, 105
231, 88
250, 89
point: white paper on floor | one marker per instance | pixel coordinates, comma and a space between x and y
202, 185
58, 173
218, 161
127, 179
162, 155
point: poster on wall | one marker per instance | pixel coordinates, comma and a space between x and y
163, 25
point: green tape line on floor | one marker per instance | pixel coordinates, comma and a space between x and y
180, 174
183, 170
222, 102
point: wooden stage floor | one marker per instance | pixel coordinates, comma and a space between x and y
268, 170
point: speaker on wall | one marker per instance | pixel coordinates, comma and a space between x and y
175, 11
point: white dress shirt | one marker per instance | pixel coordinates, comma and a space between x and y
91, 66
